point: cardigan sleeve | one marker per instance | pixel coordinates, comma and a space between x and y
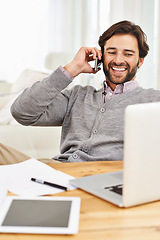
44, 103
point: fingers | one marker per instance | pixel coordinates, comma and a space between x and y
80, 63
92, 53
96, 53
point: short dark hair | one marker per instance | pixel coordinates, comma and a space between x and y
126, 27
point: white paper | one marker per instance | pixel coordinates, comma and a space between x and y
19, 178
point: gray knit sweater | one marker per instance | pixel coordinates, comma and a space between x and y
91, 130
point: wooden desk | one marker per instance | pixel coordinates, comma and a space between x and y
100, 219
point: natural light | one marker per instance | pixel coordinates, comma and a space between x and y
30, 30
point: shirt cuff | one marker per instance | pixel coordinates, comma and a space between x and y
66, 73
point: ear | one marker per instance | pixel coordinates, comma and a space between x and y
141, 60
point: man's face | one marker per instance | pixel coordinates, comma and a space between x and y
121, 59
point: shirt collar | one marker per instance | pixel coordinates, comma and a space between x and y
124, 87
130, 86
108, 93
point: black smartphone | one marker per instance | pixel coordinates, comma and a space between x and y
97, 64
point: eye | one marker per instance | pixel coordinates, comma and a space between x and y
111, 53
129, 54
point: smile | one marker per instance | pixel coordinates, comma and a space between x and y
119, 69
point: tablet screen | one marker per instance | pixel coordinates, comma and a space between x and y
41, 213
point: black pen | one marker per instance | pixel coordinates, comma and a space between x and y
49, 184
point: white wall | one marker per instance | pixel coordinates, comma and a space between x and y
23, 36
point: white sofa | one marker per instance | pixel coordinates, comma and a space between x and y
37, 142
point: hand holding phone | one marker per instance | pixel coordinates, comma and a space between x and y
97, 64
81, 62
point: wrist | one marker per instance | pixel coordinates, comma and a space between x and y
72, 69
66, 73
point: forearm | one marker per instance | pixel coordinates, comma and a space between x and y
43, 103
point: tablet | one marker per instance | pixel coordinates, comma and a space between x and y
44, 215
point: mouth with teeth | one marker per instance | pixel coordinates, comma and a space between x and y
118, 74
118, 69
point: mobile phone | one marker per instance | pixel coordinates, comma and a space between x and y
97, 64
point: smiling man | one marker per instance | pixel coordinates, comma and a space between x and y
121, 59
92, 120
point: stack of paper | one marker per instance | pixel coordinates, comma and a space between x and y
16, 178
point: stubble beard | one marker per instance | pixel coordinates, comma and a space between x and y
118, 79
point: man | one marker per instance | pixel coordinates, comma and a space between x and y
92, 120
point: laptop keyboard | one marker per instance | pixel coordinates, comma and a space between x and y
117, 189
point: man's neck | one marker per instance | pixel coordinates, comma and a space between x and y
111, 85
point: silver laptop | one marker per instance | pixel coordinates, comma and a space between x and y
139, 182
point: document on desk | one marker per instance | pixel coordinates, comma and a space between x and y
18, 178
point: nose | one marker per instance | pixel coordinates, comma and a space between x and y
119, 58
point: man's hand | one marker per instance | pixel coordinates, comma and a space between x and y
80, 63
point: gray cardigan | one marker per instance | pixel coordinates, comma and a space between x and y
91, 130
